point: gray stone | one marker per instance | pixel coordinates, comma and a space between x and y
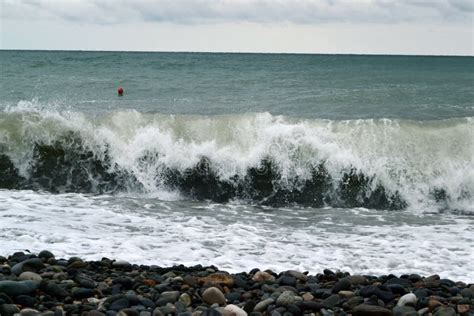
368, 310
14, 288
119, 304
467, 292
25, 300
326, 312
185, 298
80, 293
403, 282
170, 296
121, 264
85, 281
8, 309
445, 311
287, 280
128, 312
300, 276
211, 312
262, 305
404, 311
180, 307
286, 298
342, 285
157, 312
331, 301
28, 275
55, 290
34, 264
45, 255
357, 279
235, 310
29, 312
95, 313
213, 295
407, 299
168, 309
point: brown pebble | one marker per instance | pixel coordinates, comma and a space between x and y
217, 279
213, 295
307, 297
346, 294
262, 276
149, 282
432, 304
463, 308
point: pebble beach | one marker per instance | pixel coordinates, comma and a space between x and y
42, 284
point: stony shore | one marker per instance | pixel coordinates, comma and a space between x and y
44, 285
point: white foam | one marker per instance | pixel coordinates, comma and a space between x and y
237, 237
412, 158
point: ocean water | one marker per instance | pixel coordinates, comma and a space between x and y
359, 163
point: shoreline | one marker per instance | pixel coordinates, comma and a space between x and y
41, 284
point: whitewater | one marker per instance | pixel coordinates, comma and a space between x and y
363, 164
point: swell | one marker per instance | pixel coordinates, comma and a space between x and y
258, 158
57, 169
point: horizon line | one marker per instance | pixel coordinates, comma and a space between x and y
228, 52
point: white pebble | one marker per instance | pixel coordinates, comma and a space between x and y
409, 298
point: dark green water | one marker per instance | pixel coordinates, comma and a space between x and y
303, 86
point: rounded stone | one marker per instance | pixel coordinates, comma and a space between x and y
445, 311
409, 298
404, 311
366, 310
25, 300
28, 275
262, 305
235, 310
121, 264
34, 264
213, 295
185, 298
45, 255
14, 288
219, 278
300, 276
346, 294
8, 309
286, 298
307, 297
262, 276
342, 285
29, 312
287, 280
128, 312
80, 293
119, 304
169, 296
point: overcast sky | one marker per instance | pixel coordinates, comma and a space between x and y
443, 27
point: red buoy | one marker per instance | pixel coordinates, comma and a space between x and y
120, 91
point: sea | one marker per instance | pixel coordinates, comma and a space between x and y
357, 163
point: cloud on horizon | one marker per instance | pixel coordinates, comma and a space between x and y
108, 12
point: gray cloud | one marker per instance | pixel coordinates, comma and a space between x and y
236, 11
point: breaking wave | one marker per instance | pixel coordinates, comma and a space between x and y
259, 158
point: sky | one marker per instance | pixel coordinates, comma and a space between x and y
413, 27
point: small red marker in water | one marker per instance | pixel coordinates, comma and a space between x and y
120, 91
